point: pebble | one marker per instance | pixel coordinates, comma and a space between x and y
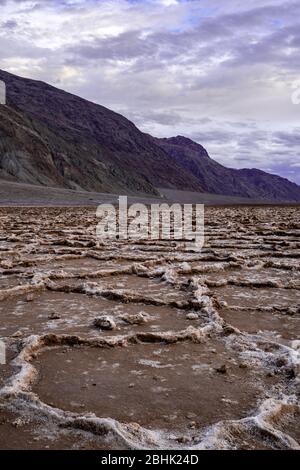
222, 369
191, 415
243, 365
183, 440
29, 298
192, 316
105, 323
192, 424
17, 334
53, 316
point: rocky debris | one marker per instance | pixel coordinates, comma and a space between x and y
6, 264
296, 345
30, 297
191, 415
192, 316
243, 365
54, 316
135, 319
222, 369
230, 330
105, 322
18, 334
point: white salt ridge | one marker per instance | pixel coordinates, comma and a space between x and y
258, 349
218, 436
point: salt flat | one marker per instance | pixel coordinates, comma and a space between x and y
197, 350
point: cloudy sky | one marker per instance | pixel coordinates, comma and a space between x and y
224, 72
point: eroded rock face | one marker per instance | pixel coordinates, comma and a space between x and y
191, 350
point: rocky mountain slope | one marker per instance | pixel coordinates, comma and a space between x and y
52, 138
215, 178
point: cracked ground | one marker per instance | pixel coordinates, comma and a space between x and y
148, 345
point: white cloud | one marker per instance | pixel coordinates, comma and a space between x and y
213, 69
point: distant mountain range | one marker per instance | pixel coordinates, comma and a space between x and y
52, 138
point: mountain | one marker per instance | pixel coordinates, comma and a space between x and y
52, 138
216, 178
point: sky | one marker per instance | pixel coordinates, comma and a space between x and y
225, 73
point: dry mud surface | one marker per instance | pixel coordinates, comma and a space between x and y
149, 345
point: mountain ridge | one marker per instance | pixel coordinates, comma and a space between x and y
53, 138
212, 175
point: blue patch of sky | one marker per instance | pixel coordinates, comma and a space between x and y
195, 16
277, 22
